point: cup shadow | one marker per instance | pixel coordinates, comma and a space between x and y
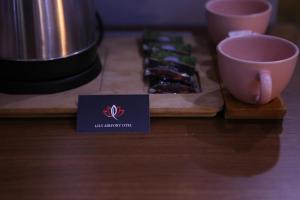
238, 148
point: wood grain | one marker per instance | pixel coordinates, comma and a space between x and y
235, 109
179, 159
288, 12
182, 158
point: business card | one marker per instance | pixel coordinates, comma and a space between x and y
113, 113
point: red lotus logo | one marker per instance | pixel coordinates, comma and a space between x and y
113, 111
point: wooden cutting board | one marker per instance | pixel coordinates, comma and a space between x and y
123, 74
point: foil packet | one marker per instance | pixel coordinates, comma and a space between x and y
158, 37
164, 85
170, 72
169, 58
182, 49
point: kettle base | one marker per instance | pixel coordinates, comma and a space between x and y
52, 86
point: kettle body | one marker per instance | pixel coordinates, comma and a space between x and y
47, 42
45, 29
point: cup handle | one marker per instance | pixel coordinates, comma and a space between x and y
265, 80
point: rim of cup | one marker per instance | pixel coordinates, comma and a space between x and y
211, 2
291, 44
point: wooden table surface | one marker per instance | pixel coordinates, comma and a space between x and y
180, 159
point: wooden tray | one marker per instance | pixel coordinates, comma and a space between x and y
122, 74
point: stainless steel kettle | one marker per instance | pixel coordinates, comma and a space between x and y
47, 45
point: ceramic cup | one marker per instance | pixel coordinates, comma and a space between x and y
224, 16
256, 68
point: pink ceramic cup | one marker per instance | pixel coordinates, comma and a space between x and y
256, 68
224, 16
